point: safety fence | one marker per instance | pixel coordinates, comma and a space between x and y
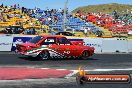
101, 45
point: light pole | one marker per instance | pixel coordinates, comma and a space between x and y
65, 18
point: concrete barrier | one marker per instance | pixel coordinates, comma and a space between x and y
6, 43
114, 45
129, 45
94, 42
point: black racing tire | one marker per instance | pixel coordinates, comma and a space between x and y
85, 55
44, 55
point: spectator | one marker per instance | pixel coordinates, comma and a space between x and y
23, 9
73, 31
18, 6
32, 31
14, 7
85, 31
60, 10
2, 5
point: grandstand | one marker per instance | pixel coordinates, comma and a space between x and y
52, 20
44, 20
109, 24
14, 17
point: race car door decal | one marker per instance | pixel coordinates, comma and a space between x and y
66, 47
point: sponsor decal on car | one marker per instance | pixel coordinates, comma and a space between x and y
45, 47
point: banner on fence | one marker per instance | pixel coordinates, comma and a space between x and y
94, 42
6, 43
19, 40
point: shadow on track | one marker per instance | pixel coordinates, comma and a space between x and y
28, 58
54, 59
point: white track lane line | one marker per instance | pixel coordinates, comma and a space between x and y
76, 71
44, 68
61, 69
71, 74
125, 69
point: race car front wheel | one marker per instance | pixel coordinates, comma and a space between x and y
85, 55
43, 55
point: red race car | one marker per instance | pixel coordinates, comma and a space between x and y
45, 47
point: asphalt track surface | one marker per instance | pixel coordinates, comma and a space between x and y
98, 61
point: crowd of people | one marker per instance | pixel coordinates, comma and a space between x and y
117, 23
15, 16
47, 16
8, 9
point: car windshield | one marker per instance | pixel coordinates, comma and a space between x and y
35, 39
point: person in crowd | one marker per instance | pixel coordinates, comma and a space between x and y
23, 9
28, 31
9, 30
2, 5
85, 31
14, 7
73, 31
32, 31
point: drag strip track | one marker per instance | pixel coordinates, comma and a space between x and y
98, 63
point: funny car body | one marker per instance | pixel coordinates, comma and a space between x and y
45, 47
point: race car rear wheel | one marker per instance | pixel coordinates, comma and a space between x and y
85, 55
44, 55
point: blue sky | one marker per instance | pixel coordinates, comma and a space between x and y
72, 4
